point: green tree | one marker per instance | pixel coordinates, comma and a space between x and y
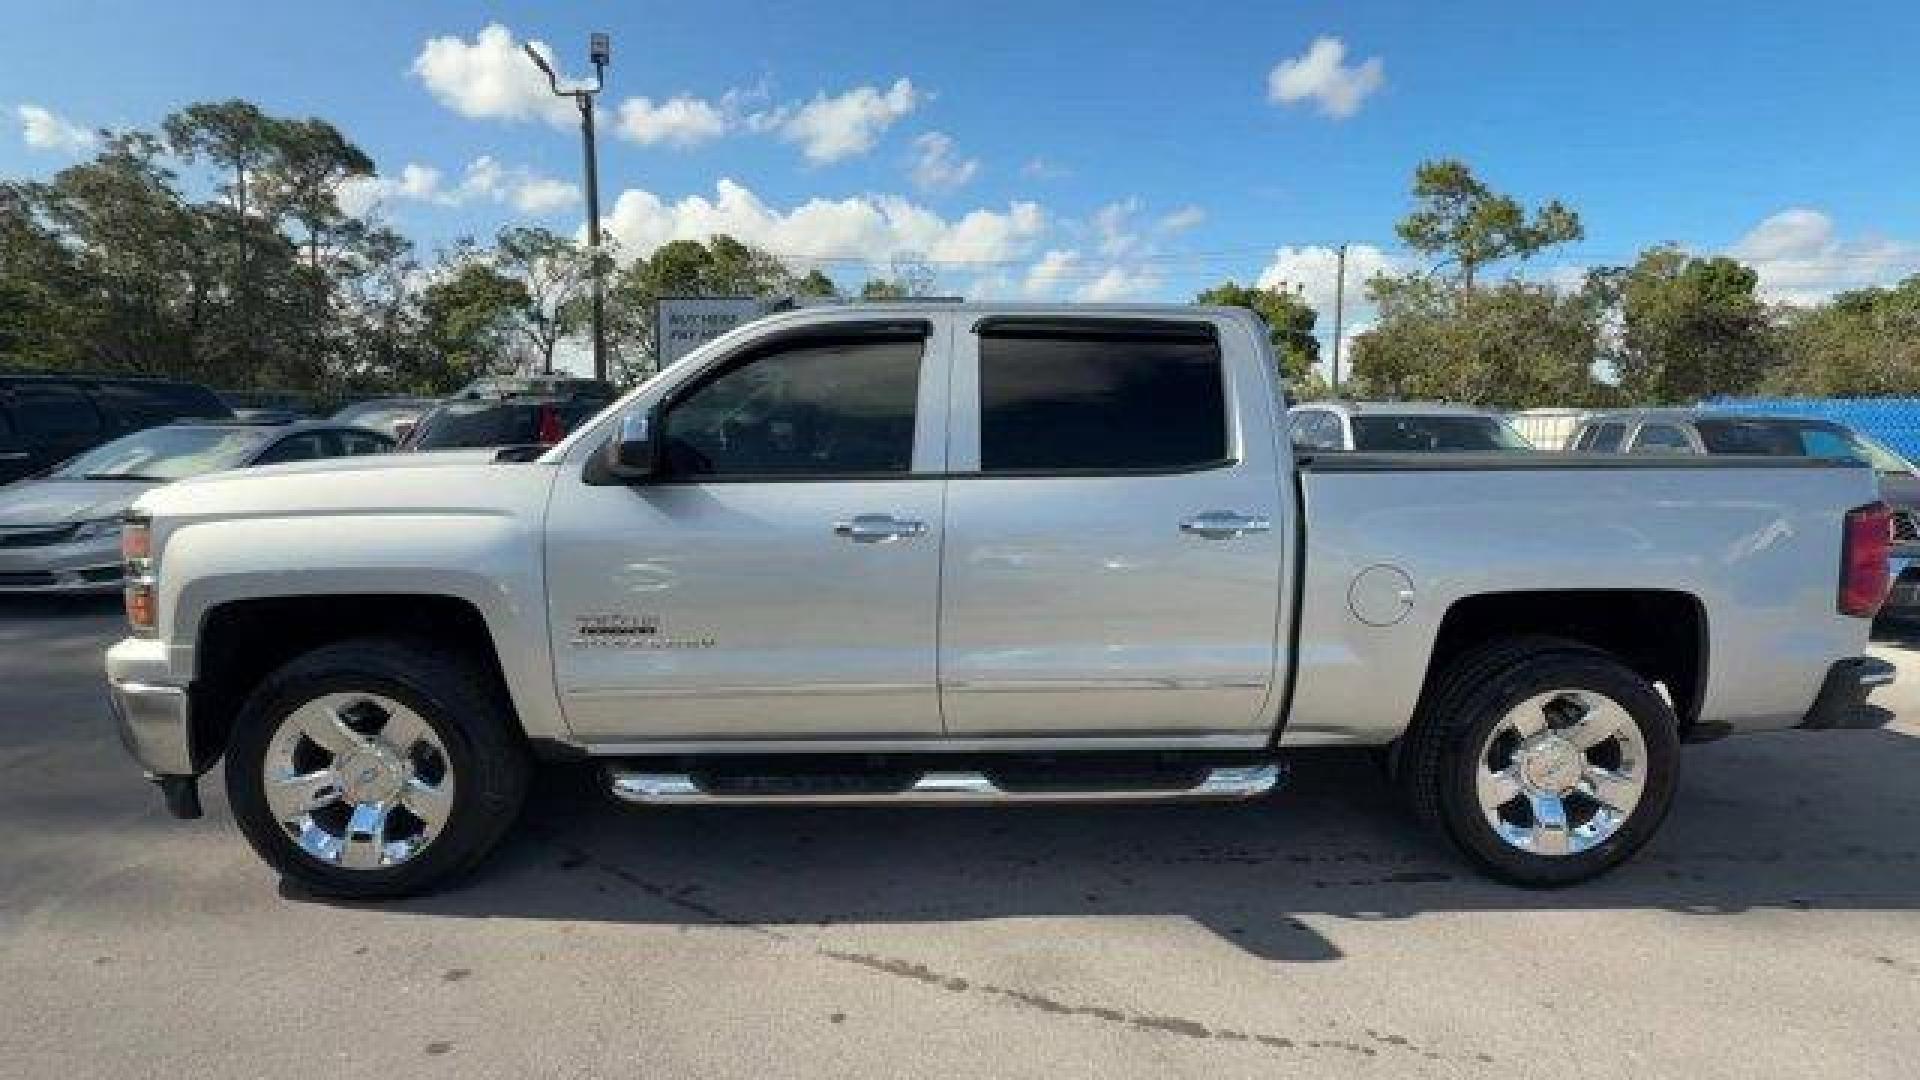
884, 289
1289, 322
1458, 219
1689, 328
722, 266
1514, 345
556, 275
1864, 343
470, 318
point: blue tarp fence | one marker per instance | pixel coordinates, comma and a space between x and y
1893, 421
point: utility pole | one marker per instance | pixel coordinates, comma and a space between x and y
600, 52
1339, 313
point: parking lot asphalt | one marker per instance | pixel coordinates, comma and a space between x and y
1773, 929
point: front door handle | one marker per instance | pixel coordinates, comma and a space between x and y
1224, 524
877, 528
21, 456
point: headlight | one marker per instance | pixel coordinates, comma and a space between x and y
136, 548
96, 530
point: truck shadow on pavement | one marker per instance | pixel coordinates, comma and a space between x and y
1788, 821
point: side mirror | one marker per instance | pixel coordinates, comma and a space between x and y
633, 454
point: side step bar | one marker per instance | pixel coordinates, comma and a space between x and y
939, 787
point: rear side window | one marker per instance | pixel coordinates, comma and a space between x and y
53, 413
1100, 400
303, 447
1606, 438
355, 443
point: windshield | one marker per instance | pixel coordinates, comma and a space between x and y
1796, 438
167, 453
1435, 434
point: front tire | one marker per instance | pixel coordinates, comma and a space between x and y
1545, 762
376, 768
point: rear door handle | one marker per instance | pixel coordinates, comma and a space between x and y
877, 528
22, 456
1224, 524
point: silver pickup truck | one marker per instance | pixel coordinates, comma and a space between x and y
977, 554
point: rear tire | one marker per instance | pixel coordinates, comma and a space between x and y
1545, 762
457, 737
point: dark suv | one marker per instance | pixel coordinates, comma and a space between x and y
46, 419
466, 423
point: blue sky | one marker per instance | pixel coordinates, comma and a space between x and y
1053, 150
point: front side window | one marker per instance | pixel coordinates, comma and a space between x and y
832, 407
1072, 399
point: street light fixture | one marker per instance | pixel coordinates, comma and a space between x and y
600, 53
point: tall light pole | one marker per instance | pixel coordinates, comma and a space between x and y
1339, 314
600, 52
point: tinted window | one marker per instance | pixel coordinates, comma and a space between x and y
139, 405
1606, 438
52, 413
1661, 439
1434, 434
302, 447
355, 443
817, 408
167, 453
1108, 402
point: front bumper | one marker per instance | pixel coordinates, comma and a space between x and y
1842, 703
155, 720
90, 566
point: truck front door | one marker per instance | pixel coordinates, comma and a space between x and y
780, 580
1117, 534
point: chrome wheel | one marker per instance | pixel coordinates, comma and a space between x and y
1561, 772
358, 780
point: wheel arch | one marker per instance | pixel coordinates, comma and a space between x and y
1661, 634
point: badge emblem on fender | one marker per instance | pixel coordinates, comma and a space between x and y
629, 632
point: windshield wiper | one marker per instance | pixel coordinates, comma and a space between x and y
120, 476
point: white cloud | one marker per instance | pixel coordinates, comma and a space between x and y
1120, 282
1321, 75
1801, 258
1313, 272
491, 78
829, 129
938, 167
484, 181
1039, 168
1044, 278
679, 121
869, 228
1187, 217
542, 195
43, 129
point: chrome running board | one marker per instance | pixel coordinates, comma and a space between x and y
938, 787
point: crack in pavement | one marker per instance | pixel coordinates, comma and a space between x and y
1376, 1041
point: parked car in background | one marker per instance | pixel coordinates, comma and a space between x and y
1704, 431
466, 423
270, 401
1402, 427
46, 419
392, 416
61, 532
497, 386
1548, 429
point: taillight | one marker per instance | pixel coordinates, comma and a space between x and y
1867, 542
550, 429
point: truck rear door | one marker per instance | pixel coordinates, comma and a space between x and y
1116, 547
